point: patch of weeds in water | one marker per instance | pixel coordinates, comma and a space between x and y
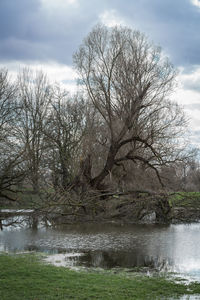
25, 277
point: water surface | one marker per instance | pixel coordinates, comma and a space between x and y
167, 248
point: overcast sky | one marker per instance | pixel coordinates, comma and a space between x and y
46, 33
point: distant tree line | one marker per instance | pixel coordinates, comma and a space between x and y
120, 132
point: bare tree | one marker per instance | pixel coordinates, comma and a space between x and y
34, 96
128, 80
191, 175
11, 171
7, 103
63, 133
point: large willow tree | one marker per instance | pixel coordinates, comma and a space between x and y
128, 80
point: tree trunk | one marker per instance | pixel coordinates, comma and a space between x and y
96, 181
163, 210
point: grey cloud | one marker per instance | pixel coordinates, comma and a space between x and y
16, 16
192, 85
172, 24
29, 33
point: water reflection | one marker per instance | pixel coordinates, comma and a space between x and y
174, 247
24, 218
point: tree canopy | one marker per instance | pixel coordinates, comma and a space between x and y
128, 80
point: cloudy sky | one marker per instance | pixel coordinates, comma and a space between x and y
45, 34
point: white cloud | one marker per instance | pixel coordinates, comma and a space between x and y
111, 18
188, 96
190, 101
196, 3
188, 89
191, 81
62, 74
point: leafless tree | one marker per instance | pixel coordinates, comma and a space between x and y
7, 103
63, 133
191, 175
129, 80
34, 96
11, 172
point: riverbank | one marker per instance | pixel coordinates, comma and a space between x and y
171, 208
138, 208
132, 208
25, 277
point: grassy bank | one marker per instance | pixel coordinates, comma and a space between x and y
25, 277
185, 199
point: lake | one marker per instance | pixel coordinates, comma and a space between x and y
153, 247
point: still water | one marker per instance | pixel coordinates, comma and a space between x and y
164, 248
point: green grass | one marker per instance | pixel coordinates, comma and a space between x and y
185, 199
24, 277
